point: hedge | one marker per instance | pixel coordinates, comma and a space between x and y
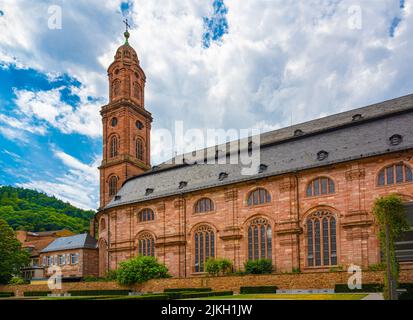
258, 289
143, 297
406, 295
36, 293
6, 294
370, 287
99, 292
188, 290
191, 295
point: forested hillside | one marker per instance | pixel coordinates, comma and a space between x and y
30, 210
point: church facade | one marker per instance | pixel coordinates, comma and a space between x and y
308, 207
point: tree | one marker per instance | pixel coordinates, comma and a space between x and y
260, 266
140, 269
390, 215
13, 257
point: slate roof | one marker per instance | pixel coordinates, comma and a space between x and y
350, 135
78, 241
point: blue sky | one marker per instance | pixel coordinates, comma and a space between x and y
210, 63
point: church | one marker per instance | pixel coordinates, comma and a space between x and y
308, 208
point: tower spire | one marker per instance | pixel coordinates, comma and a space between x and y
126, 34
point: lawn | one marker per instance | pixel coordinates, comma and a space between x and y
268, 296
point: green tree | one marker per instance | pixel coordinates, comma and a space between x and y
12, 256
390, 215
260, 266
140, 269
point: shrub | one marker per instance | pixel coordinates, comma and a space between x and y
212, 266
140, 269
261, 266
111, 275
99, 292
258, 289
36, 293
16, 280
192, 295
6, 294
225, 266
377, 267
188, 290
369, 287
91, 279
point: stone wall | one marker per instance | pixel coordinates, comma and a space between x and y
282, 281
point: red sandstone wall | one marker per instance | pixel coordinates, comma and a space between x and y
357, 243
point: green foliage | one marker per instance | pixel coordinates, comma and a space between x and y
261, 266
369, 287
377, 267
141, 269
218, 266
30, 210
187, 290
258, 289
336, 269
6, 294
36, 293
16, 280
78, 293
91, 279
296, 270
111, 275
12, 257
390, 212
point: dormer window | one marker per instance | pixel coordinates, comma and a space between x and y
262, 168
223, 176
322, 155
357, 117
148, 191
117, 198
396, 139
183, 184
298, 133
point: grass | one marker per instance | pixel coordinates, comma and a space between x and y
266, 296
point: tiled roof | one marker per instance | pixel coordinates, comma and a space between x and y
350, 135
79, 241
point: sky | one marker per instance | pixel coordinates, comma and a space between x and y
210, 63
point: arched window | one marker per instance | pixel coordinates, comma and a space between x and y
146, 215
139, 149
146, 245
113, 146
321, 239
116, 87
136, 90
259, 239
102, 225
113, 185
395, 174
320, 186
258, 196
204, 205
204, 242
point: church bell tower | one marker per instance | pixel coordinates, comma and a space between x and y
126, 124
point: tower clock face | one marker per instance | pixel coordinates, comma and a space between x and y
114, 122
139, 125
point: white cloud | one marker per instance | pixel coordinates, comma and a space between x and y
79, 185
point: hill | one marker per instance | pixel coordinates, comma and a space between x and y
30, 210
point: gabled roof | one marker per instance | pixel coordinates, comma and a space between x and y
79, 241
350, 135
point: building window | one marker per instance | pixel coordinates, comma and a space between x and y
204, 242
44, 261
116, 87
146, 245
49, 260
204, 205
146, 215
102, 225
62, 260
136, 90
321, 239
113, 185
259, 196
320, 186
395, 174
259, 239
113, 147
74, 258
139, 149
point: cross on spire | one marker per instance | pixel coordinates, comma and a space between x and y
126, 34
127, 25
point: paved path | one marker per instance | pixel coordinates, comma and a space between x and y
374, 296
